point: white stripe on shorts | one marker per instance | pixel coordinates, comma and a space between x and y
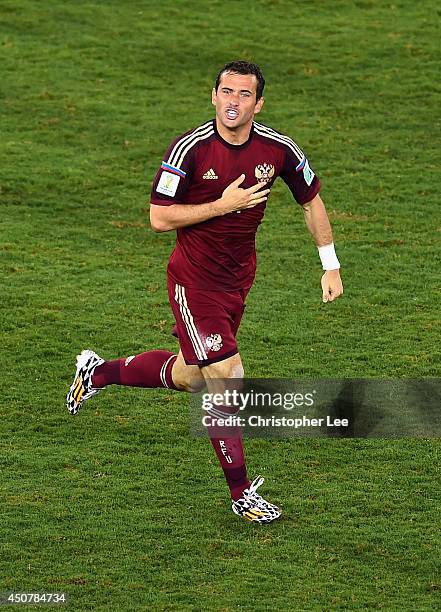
187, 317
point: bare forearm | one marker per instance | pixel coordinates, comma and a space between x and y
317, 221
166, 218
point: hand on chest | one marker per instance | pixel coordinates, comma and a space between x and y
213, 173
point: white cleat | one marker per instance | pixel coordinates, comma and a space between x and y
81, 389
253, 507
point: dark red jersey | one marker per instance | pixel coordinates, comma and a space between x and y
220, 254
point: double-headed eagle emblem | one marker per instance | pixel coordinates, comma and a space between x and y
264, 172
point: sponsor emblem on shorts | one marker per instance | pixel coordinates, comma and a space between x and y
210, 174
264, 172
129, 359
214, 342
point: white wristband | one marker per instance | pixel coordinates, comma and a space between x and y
328, 257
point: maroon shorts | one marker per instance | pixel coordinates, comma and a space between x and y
206, 322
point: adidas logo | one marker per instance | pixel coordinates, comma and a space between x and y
211, 174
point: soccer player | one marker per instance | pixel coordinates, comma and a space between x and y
212, 189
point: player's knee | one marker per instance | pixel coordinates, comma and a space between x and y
186, 377
188, 381
237, 371
191, 385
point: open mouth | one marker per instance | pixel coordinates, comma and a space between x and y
231, 114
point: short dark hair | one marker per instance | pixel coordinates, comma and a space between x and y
243, 67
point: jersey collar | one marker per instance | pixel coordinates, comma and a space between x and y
233, 146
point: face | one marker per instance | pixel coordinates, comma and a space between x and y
235, 101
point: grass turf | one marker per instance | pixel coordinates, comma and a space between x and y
110, 507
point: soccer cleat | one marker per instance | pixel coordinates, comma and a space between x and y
253, 507
81, 389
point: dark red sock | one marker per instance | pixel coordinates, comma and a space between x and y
231, 455
152, 369
228, 446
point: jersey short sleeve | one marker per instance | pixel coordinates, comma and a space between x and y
298, 174
173, 177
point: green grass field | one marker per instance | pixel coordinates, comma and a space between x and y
107, 506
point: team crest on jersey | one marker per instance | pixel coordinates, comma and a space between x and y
214, 342
264, 172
